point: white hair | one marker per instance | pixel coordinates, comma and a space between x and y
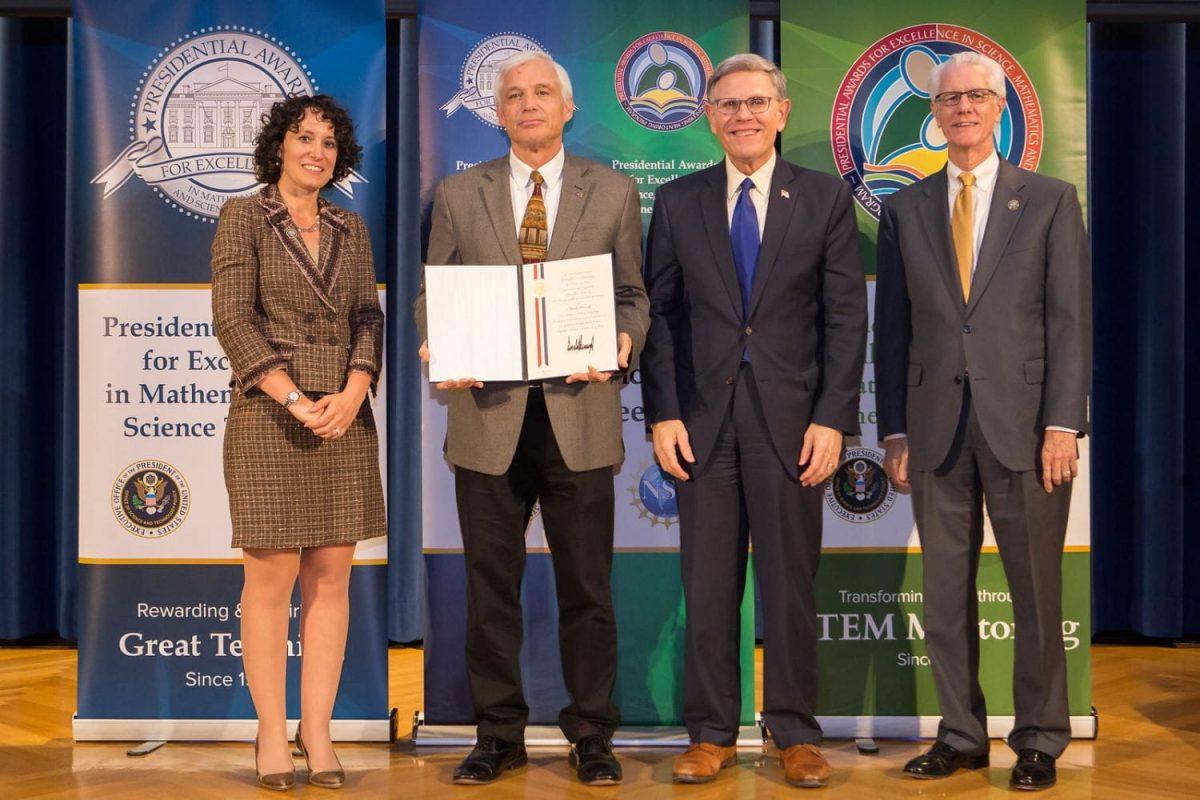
512, 62
995, 74
748, 62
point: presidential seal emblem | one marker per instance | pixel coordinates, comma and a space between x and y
653, 494
195, 114
150, 499
477, 81
859, 490
661, 79
883, 134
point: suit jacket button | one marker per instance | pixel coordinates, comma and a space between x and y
749, 330
958, 378
329, 316
310, 317
310, 339
729, 381
966, 328
333, 340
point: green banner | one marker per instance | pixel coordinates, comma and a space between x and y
861, 110
858, 76
872, 635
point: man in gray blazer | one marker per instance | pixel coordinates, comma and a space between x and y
983, 365
554, 442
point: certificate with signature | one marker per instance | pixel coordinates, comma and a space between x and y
521, 322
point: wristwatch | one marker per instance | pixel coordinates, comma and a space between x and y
292, 397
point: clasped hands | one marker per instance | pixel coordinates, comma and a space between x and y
330, 416
593, 375
819, 455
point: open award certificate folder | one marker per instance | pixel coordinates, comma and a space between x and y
521, 322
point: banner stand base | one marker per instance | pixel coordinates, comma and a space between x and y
1082, 727
215, 730
749, 736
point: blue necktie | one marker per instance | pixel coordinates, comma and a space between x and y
744, 234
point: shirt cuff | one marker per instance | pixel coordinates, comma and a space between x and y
1061, 428
895, 436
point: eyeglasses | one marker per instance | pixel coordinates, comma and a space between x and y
728, 106
976, 96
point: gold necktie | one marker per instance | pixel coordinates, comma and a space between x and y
962, 229
534, 237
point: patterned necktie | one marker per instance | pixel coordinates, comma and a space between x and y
962, 229
743, 232
534, 236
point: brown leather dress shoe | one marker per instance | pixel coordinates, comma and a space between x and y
701, 762
803, 765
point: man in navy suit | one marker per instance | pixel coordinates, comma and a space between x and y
750, 376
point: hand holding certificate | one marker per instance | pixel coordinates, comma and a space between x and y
522, 322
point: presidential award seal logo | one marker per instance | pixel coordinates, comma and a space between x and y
883, 134
859, 490
661, 79
150, 499
477, 81
653, 494
195, 114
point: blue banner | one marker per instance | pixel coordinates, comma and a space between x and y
639, 72
167, 102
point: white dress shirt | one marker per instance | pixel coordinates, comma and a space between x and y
520, 184
760, 195
985, 189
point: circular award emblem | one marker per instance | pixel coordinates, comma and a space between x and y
150, 499
859, 490
882, 131
195, 114
653, 494
480, 69
661, 79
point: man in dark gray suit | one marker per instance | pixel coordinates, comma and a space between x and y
983, 365
553, 442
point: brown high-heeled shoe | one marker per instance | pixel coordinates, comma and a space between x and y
276, 781
326, 779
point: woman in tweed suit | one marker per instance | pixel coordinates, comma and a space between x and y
297, 312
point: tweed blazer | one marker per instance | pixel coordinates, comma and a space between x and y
274, 308
599, 211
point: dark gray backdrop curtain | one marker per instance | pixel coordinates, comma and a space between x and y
1146, 555
37, 336
1145, 102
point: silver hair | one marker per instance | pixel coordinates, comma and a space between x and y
748, 62
995, 75
512, 62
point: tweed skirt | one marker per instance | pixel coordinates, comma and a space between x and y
289, 488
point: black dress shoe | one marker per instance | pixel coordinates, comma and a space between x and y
1034, 770
594, 762
489, 760
942, 760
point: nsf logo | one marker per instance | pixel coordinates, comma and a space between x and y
883, 134
654, 496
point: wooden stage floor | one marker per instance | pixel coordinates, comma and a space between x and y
1149, 747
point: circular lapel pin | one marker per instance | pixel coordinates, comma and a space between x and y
1013, 205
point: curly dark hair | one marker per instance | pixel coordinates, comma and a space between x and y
285, 116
